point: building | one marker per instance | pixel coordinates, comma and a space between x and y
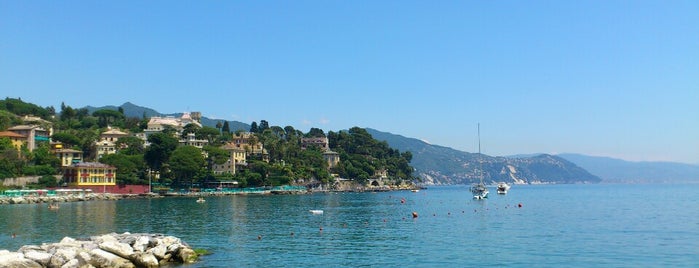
89, 174
248, 142
107, 142
157, 124
236, 161
67, 156
191, 140
33, 133
332, 158
16, 139
321, 142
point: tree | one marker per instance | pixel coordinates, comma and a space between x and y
131, 167
219, 125
208, 133
109, 117
68, 139
316, 133
215, 155
11, 164
263, 126
161, 147
253, 127
189, 128
226, 128
130, 145
186, 162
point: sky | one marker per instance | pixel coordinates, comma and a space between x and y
603, 78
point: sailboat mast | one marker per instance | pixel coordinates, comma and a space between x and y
479, 139
480, 156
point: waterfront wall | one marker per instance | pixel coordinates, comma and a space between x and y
20, 181
110, 250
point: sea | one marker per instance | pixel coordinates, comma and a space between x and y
597, 225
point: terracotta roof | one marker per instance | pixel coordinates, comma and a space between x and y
11, 134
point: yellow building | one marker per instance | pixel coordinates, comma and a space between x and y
236, 160
89, 174
107, 143
16, 139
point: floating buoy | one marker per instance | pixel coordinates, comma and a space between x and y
402, 200
519, 205
414, 214
259, 237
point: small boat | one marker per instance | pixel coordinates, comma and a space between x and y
503, 187
201, 200
415, 190
54, 206
316, 211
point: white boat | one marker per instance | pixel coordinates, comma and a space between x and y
503, 187
479, 190
316, 211
201, 200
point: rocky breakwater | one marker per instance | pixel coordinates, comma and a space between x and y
63, 198
110, 250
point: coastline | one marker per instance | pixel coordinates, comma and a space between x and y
10, 200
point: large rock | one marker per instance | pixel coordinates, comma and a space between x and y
111, 250
62, 256
104, 259
141, 243
158, 251
39, 256
187, 255
120, 249
16, 260
142, 259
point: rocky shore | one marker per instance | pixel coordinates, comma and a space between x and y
110, 250
64, 198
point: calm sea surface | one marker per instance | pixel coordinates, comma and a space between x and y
604, 225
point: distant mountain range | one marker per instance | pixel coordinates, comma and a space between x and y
443, 165
616, 170
133, 110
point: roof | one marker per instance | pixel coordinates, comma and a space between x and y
91, 165
11, 134
114, 132
67, 151
25, 127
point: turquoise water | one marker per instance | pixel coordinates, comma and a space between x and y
601, 225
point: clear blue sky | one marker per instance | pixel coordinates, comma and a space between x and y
604, 78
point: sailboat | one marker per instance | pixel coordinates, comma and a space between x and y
479, 190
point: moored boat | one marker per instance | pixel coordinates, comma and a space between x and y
503, 187
479, 190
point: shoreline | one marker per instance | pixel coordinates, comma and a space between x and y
11, 200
